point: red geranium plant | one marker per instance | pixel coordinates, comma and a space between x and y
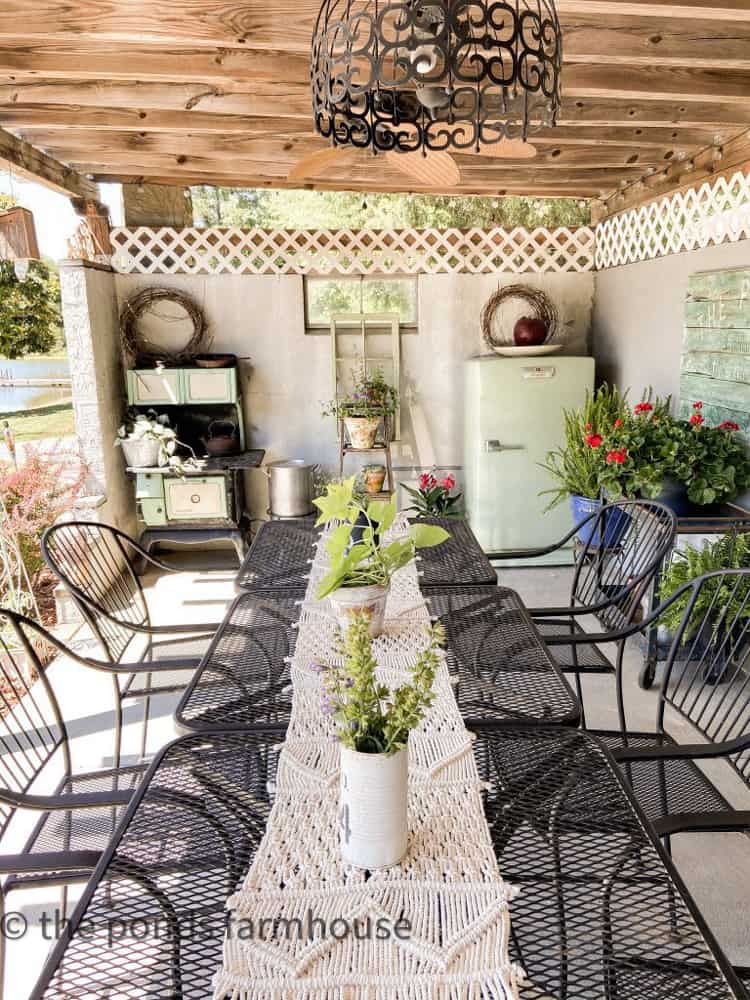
435, 498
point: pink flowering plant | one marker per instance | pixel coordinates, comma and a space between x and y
435, 496
712, 462
371, 717
35, 494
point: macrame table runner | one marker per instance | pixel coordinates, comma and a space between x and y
447, 887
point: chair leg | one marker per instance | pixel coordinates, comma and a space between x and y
64, 902
146, 713
118, 721
579, 692
620, 693
3, 949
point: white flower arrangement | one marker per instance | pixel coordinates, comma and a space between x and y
151, 426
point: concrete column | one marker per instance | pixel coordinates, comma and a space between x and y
90, 320
157, 206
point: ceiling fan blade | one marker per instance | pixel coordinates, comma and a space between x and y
436, 169
510, 149
312, 164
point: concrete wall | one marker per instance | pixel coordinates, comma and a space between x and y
638, 316
286, 373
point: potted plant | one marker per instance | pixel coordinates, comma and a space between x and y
718, 601
146, 439
373, 724
434, 497
708, 465
360, 574
373, 477
612, 451
371, 401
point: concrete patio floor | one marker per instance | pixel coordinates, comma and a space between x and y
716, 869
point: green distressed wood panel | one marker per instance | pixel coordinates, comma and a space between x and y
715, 365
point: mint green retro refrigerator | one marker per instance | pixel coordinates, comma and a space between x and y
513, 417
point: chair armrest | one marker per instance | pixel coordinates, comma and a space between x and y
200, 629
683, 751
56, 803
728, 821
49, 861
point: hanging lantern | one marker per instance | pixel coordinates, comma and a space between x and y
18, 235
435, 74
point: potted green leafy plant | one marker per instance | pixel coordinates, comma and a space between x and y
360, 574
718, 601
435, 498
370, 401
373, 723
708, 464
373, 477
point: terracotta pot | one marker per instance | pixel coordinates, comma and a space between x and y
374, 477
362, 430
347, 601
374, 816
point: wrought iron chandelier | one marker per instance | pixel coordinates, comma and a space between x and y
435, 74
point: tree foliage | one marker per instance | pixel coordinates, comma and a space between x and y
30, 310
282, 209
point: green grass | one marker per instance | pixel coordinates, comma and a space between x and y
45, 422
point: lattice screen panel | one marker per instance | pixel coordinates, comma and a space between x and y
346, 251
714, 213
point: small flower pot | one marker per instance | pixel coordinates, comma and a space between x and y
347, 601
374, 477
140, 453
373, 824
362, 431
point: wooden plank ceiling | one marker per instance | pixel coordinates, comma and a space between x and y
204, 91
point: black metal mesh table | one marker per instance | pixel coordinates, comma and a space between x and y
460, 560
279, 557
503, 670
243, 678
601, 914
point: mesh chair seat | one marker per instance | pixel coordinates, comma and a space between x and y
586, 657
665, 787
78, 829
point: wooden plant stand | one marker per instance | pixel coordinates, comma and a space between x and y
383, 447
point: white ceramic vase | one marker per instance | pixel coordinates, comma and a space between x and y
347, 601
373, 817
140, 453
362, 430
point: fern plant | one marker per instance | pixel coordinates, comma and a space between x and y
724, 600
580, 464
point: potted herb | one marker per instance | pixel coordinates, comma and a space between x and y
146, 440
360, 574
371, 401
373, 477
435, 498
373, 724
718, 601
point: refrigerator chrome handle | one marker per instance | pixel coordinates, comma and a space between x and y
494, 445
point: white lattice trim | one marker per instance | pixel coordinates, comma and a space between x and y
347, 251
714, 213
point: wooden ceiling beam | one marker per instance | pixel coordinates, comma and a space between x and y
548, 189
75, 143
723, 10
45, 118
148, 63
293, 101
707, 165
31, 164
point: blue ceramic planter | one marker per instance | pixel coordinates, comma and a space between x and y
617, 521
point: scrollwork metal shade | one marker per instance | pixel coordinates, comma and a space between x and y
435, 74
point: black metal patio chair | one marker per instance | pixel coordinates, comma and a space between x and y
95, 562
614, 569
77, 818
